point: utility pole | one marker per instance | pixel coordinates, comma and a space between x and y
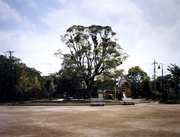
13, 76
10, 53
164, 95
154, 63
10, 56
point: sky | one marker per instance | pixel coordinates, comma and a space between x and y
147, 30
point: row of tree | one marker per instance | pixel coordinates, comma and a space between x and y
141, 85
19, 82
138, 81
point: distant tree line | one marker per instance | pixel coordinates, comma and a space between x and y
19, 82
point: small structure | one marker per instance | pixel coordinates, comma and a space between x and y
112, 94
118, 93
97, 101
123, 88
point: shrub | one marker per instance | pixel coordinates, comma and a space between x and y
156, 95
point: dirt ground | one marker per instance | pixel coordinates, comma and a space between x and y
140, 120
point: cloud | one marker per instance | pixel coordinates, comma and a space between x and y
124, 16
89, 12
167, 8
134, 32
32, 4
10, 18
143, 35
8, 14
33, 47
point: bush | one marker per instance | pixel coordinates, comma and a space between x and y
156, 95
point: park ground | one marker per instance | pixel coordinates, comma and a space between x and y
140, 120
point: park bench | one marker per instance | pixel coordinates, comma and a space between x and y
97, 101
127, 100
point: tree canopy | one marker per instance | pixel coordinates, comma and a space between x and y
16, 78
140, 82
24, 84
136, 74
92, 51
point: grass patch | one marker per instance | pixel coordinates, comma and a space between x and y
52, 103
64, 103
113, 102
170, 101
128, 103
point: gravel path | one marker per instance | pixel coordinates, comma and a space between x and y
140, 120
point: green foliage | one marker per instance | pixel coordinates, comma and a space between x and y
156, 95
136, 74
108, 80
52, 87
140, 82
24, 83
169, 81
175, 77
68, 81
93, 50
11, 71
36, 87
146, 87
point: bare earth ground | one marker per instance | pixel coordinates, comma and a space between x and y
140, 120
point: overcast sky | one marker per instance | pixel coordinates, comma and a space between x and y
146, 29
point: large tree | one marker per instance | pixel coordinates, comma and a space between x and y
136, 76
92, 50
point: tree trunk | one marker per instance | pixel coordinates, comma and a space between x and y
22, 97
176, 89
88, 89
89, 84
177, 94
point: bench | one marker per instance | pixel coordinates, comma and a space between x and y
127, 100
97, 101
